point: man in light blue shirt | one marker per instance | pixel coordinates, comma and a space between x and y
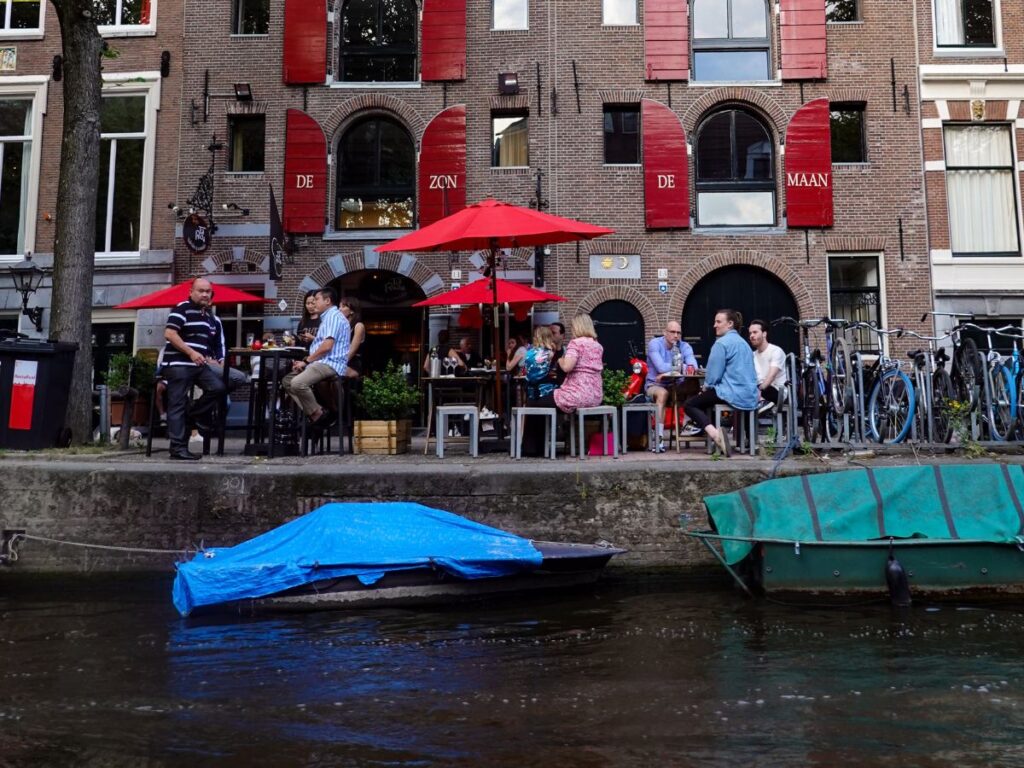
668, 359
327, 359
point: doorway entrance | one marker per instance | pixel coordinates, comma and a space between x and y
620, 329
755, 292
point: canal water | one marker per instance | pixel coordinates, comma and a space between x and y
642, 670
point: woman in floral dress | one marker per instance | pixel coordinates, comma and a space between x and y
583, 363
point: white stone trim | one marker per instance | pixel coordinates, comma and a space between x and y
943, 109
931, 122
935, 165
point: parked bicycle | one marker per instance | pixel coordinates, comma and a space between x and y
934, 390
999, 390
966, 370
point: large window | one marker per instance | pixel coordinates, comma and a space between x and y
246, 142
841, 10
980, 189
621, 135
15, 164
20, 15
735, 171
510, 140
378, 41
250, 17
376, 176
619, 11
111, 15
964, 23
849, 143
855, 294
122, 159
511, 14
730, 41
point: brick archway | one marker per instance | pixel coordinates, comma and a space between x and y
622, 293
731, 95
373, 101
768, 263
366, 258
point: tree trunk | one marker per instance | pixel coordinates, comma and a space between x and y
74, 250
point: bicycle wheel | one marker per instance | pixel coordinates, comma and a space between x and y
891, 408
967, 373
841, 378
943, 392
1001, 410
810, 404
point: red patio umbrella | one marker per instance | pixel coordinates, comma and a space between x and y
170, 297
490, 225
482, 292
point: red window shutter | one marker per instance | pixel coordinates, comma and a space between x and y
809, 166
305, 174
666, 180
667, 39
305, 42
804, 50
442, 166
443, 44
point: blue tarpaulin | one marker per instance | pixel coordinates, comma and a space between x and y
365, 540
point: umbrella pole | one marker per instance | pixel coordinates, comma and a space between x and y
492, 263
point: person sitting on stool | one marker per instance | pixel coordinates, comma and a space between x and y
770, 363
668, 358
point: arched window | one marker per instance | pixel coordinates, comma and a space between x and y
735, 171
378, 41
730, 41
376, 176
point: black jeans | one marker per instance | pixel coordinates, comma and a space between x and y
180, 379
771, 394
696, 406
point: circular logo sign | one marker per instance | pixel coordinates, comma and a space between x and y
277, 255
196, 232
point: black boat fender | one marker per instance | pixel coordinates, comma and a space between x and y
896, 578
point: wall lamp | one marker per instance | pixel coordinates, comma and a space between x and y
239, 92
235, 207
27, 278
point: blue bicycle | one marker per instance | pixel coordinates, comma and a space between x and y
892, 403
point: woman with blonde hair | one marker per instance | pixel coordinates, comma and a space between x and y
582, 363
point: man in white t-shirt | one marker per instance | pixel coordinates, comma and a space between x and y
770, 364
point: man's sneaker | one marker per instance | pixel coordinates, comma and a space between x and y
765, 406
659, 447
691, 430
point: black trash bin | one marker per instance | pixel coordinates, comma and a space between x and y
35, 378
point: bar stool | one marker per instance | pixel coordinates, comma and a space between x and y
519, 414
606, 413
648, 408
443, 412
744, 425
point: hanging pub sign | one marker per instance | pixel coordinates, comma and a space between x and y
196, 232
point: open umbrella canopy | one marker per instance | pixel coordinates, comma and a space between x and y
481, 292
493, 224
171, 297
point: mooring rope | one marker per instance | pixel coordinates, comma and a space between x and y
108, 547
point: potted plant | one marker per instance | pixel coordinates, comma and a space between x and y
386, 403
125, 371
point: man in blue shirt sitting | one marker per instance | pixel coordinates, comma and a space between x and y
668, 360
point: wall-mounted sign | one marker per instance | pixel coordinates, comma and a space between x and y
196, 232
8, 59
614, 267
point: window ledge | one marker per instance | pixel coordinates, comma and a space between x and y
21, 34
620, 26
512, 170
243, 174
726, 230
853, 166
518, 31
621, 166
128, 31
728, 83
366, 234
248, 36
119, 257
344, 84
969, 53
855, 23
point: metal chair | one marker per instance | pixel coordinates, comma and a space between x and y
445, 411
519, 414
607, 413
647, 408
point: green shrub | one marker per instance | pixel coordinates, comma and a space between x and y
124, 370
386, 395
614, 383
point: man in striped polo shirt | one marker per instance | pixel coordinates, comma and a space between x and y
328, 356
192, 337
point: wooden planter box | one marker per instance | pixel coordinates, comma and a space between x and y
383, 437
140, 415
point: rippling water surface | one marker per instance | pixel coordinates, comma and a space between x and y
643, 670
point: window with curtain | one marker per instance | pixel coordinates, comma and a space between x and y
510, 140
378, 41
122, 158
619, 11
855, 294
730, 41
965, 23
250, 17
245, 143
622, 135
15, 156
511, 14
980, 189
376, 176
735, 164
20, 15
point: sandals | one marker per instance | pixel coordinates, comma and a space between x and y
722, 441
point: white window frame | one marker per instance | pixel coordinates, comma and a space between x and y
34, 87
604, 14
131, 30
883, 309
22, 34
138, 84
494, 17
968, 51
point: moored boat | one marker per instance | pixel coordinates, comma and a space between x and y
371, 554
940, 529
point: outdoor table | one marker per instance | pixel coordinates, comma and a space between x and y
686, 385
261, 423
475, 384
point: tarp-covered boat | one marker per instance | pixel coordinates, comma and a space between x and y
950, 528
370, 553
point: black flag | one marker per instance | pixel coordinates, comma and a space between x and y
276, 240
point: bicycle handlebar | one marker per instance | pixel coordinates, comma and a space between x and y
946, 314
921, 336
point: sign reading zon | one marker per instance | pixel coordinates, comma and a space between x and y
438, 181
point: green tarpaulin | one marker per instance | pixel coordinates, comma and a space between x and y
976, 502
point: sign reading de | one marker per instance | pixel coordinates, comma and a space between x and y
196, 232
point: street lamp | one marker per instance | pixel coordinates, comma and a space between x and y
27, 279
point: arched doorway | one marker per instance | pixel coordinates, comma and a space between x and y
755, 292
393, 325
620, 329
